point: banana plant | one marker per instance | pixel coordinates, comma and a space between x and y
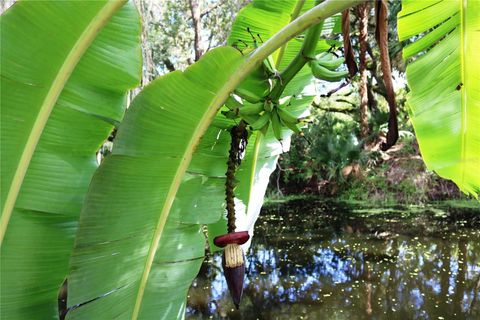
139, 243
171, 151
65, 70
444, 101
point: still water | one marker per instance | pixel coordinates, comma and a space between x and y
320, 260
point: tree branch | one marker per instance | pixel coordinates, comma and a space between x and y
381, 35
347, 45
207, 11
195, 10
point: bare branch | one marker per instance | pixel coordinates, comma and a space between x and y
212, 8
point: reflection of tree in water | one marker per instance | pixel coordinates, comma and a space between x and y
460, 280
336, 265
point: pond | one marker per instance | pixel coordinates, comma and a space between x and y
328, 260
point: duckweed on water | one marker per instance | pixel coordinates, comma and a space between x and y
318, 260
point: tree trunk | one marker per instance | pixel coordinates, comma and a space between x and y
363, 17
195, 9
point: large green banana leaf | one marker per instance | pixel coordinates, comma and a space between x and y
119, 264
65, 69
444, 79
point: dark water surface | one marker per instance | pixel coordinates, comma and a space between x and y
318, 260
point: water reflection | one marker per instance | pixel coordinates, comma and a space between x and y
329, 261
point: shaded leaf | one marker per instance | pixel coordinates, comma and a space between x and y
128, 244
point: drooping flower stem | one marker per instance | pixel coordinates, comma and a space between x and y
237, 147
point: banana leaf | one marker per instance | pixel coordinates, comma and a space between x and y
444, 101
65, 70
141, 255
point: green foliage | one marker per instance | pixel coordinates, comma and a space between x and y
170, 32
168, 159
336, 144
65, 70
263, 150
139, 244
329, 145
319, 163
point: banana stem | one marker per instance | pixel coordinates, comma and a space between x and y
294, 16
305, 54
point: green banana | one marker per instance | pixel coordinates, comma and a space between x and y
232, 103
324, 56
286, 116
230, 114
268, 106
276, 125
331, 64
249, 109
320, 72
292, 126
221, 123
288, 119
250, 118
254, 87
248, 95
261, 121
269, 65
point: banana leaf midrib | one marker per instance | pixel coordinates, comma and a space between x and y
56, 87
177, 180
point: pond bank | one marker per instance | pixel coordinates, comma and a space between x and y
396, 176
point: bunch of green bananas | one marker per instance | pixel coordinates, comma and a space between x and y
325, 67
261, 114
251, 103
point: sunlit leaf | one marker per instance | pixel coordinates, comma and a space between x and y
444, 80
